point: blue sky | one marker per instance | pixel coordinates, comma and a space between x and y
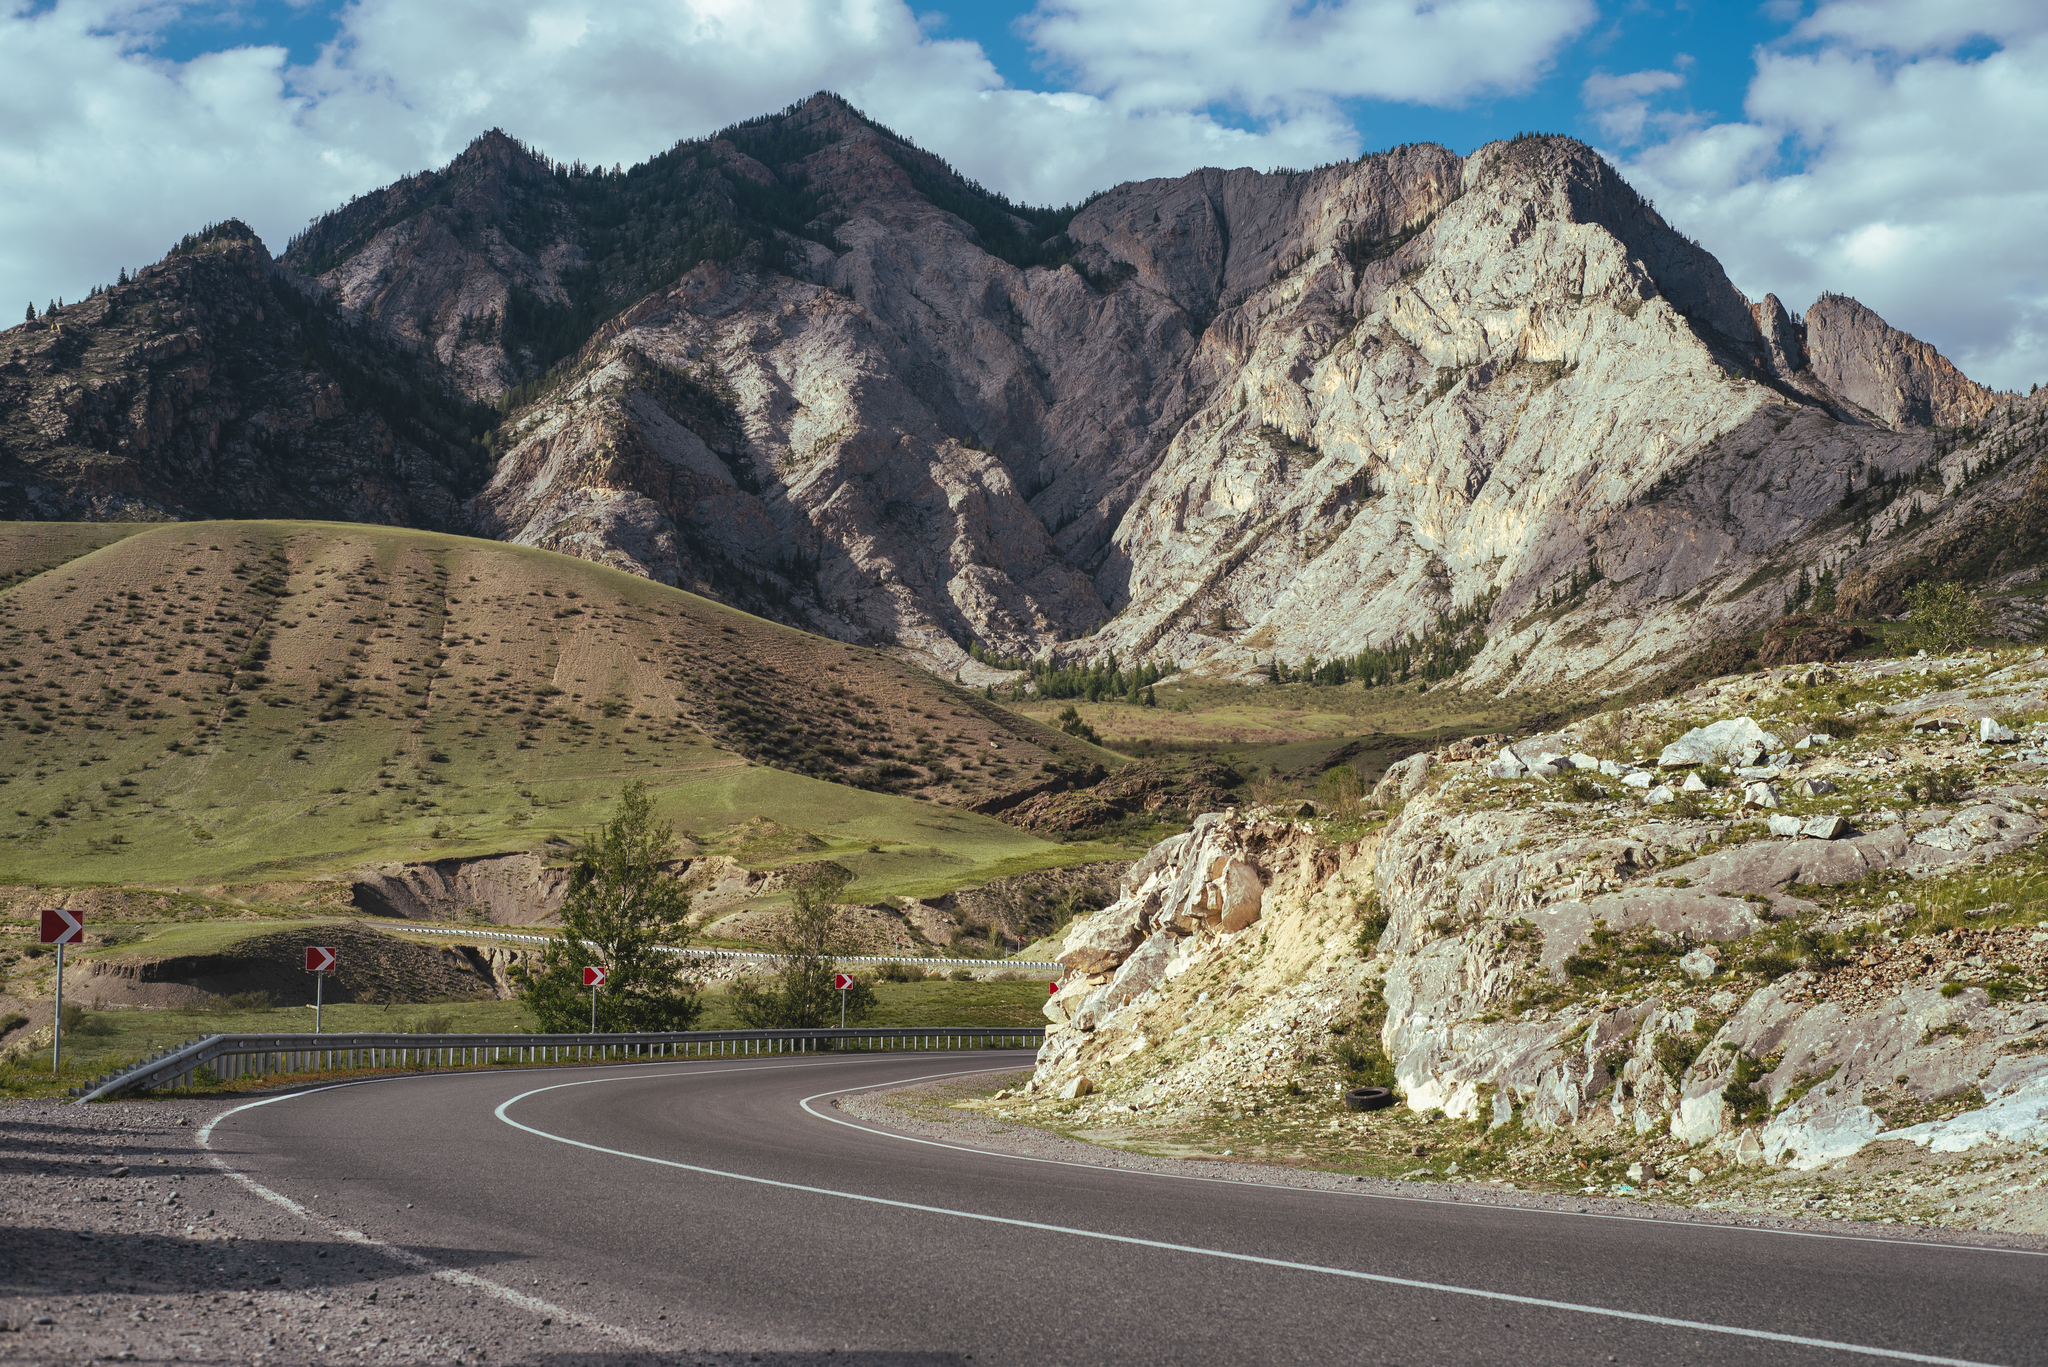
1883, 148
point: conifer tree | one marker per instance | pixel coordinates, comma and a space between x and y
621, 909
31, 310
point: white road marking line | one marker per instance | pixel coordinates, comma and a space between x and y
1664, 1222
1665, 1321
453, 1275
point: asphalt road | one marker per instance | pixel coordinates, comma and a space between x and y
709, 1207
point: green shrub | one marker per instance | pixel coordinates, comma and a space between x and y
1942, 788
900, 973
1372, 922
79, 1021
1677, 1052
1944, 618
1576, 787
1743, 1096
1772, 964
12, 1022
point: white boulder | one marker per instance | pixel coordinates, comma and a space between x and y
1508, 765
1760, 795
1737, 740
1991, 732
1698, 964
1787, 826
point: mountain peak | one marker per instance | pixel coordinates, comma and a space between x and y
1892, 375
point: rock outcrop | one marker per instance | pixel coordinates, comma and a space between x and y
1896, 378
1562, 956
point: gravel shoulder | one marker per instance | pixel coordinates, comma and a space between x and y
953, 1112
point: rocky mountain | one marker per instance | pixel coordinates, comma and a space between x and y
214, 385
1491, 402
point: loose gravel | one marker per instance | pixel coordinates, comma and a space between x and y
121, 1241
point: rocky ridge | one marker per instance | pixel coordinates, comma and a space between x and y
1253, 416
1573, 975
213, 385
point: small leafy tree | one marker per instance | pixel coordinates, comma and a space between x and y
1341, 791
1944, 618
622, 906
802, 996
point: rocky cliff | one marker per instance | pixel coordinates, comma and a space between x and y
1775, 941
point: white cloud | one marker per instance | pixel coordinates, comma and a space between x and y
1880, 156
111, 153
1620, 105
1267, 58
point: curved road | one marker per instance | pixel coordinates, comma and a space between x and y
716, 1206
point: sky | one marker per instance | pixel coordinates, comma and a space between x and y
1888, 149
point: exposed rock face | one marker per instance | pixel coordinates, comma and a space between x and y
1783, 339
1257, 415
1505, 903
1897, 378
211, 386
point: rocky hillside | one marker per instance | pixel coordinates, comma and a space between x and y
1788, 923
212, 385
1224, 419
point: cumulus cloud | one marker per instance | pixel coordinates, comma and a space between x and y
1620, 105
1271, 57
1889, 150
112, 152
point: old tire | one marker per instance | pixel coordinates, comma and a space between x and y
1368, 1099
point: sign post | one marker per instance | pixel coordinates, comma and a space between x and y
320, 961
842, 981
60, 928
593, 978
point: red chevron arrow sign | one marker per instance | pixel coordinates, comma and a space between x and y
320, 959
593, 977
61, 927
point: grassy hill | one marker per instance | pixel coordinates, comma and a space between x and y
208, 703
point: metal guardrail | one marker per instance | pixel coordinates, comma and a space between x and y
749, 953
233, 1056
752, 954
